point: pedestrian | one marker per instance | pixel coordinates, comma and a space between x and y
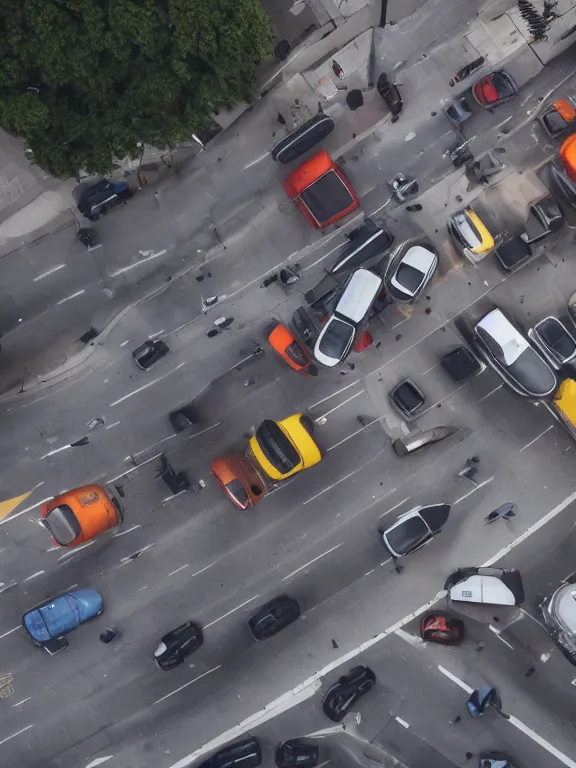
505, 511
109, 634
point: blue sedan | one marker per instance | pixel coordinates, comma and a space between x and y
62, 614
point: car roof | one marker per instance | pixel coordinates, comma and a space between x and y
512, 342
360, 292
309, 171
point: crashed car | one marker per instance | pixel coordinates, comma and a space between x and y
470, 234
559, 614
345, 692
414, 529
558, 118
435, 628
366, 242
291, 350
495, 586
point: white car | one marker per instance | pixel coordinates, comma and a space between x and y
494, 586
511, 355
352, 310
410, 271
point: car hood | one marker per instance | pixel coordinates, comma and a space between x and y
88, 601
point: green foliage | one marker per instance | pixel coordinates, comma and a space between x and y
83, 81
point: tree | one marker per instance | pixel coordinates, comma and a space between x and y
84, 81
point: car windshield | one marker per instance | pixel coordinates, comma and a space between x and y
326, 197
295, 352
336, 339
408, 535
236, 491
530, 370
63, 525
409, 278
276, 447
503, 85
495, 348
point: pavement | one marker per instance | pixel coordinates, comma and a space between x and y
194, 556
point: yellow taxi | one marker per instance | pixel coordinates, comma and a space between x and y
470, 234
284, 448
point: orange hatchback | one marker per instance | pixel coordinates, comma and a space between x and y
81, 514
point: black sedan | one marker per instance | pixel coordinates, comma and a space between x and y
341, 697
177, 645
415, 528
149, 353
410, 271
245, 753
296, 753
274, 617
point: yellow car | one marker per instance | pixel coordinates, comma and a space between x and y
470, 234
283, 448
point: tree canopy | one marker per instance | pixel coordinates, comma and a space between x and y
84, 81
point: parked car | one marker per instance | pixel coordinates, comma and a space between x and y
345, 692
366, 242
410, 271
297, 753
559, 614
407, 398
418, 439
284, 448
350, 313
558, 118
567, 154
470, 234
494, 89
544, 218
495, 586
58, 616
273, 617
98, 198
435, 628
390, 94
177, 645
240, 479
81, 514
147, 354
414, 529
321, 191
513, 253
554, 340
292, 350
184, 417
461, 364
241, 754
510, 354
302, 139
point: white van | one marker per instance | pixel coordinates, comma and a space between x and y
352, 310
495, 586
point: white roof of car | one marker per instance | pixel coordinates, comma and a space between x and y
359, 295
419, 257
497, 325
482, 589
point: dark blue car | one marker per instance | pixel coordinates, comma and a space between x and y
60, 615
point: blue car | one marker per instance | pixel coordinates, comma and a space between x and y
60, 615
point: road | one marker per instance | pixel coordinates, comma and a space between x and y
194, 556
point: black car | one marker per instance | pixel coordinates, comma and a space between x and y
408, 398
366, 242
302, 139
177, 645
460, 363
101, 197
513, 253
149, 353
297, 753
245, 754
184, 417
341, 697
273, 617
415, 528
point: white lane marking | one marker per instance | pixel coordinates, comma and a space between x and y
123, 270
186, 685
179, 569
174, 496
480, 485
75, 551
72, 586
491, 392
99, 761
325, 490
72, 296
339, 406
33, 576
23, 511
332, 447
311, 561
125, 342
402, 722
536, 438
164, 440
206, 429
394, 507
460, 683
150, 384
132, 469
329, 397
413, 640
542, 742
130, 558
10, 631
230, 612
498, 633
258, 160
429, 369
128, 530
312, 684
203, 569
16, 734
42, 275
369, 572
109, 426
158, 333
524, 612
56, 450
385, 562
323, 257
53, 549
382, 206
21, 702
143, 588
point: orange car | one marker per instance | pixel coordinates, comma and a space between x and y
321, 191
291, 350
79, 515
568, 156
240, 480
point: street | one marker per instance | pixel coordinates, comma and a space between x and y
194, 556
